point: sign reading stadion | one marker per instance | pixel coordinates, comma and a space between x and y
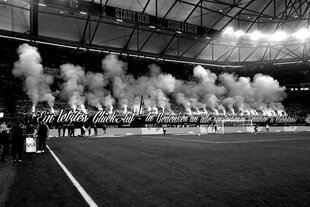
103, 117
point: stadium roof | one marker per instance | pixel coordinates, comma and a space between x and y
188, 31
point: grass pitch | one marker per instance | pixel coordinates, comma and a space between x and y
209, 170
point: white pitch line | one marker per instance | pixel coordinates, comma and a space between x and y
185, 140
262, 140
228, 142
84, 194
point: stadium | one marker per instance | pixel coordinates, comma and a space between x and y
155, 102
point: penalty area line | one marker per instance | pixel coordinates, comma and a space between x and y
228, 142
81, 190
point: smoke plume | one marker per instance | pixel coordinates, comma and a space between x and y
29, 68
73, 88
204, 92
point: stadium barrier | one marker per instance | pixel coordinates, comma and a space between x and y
186, 130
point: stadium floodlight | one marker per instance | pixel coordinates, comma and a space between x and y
239, 33
14, 38
278, 36
286, 63
115, 53
228, 31
133, 55
94, 50
151, 58
55, 44
256, 35
301, 34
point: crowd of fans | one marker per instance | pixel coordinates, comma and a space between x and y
18, 104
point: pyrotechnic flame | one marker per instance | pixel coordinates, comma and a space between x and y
136, 109
247, 112
255, 112
232, 111
125, 109
83, 109
216, 112
189, 111
110, 109
155, 109
197, 111
171, 112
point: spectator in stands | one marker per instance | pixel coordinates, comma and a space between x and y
43, 132
17, 136
4, 140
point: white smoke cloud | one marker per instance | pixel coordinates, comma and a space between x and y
121, 84
95, 91
267, 89
113, 66
156, 87
205, 91
36, 83
258, 94
73, 88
